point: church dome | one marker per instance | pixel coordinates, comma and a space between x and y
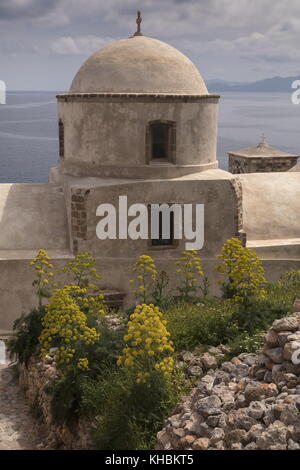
139, 65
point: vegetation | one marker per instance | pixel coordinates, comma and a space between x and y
130, 380
243, 271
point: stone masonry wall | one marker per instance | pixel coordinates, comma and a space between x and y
35, 380
250, 403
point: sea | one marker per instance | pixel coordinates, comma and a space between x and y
29, 130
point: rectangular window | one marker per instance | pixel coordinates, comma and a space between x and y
160, 141
164, 241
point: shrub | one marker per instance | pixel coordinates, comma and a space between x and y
246, 343
146, 272
83, 271
160, 285
208, 322
190, 271
25, 341
129, 413
258, 314
68, 401
43, 272
148, 344
65, 326
243, 270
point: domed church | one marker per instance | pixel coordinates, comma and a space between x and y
138, 121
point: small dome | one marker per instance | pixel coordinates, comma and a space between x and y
139, 65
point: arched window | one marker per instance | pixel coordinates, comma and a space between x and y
61, 135
161, 141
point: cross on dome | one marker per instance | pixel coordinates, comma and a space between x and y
138, 22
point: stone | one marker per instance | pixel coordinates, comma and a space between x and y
193, 425
268, 377
283, 337
236, 446
187, 441
201, 444
249, 359
209, 405
251, 446
275, 354
292, 445
290, 414
274, 438
290, 323
271, 339
208, 361
240, 419
256, 391
256, 410
236, 435
255, 432
195, 371
218, 434
290, 348
188, 356
163, 438
294, 336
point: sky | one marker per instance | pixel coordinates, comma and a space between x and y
44, 42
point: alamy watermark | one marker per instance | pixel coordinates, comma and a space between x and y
2, 92
2, 352
154, 221
296, 94
296, 357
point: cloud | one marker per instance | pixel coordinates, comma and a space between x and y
18, 9
82, 45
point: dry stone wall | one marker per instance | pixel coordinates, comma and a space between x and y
249, 403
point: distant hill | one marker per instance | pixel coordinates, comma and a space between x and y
272, 85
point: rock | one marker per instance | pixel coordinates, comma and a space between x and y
274, 438
179, 432
260, 373
256, 409
215, 351
224, 349
193, 425
271, 339
283, 337
251, 402
275, 354
249, 359
236, 435
218, 434
268, 377
195, 371
292, 445
290, 323
241, 419
174, 421
290, 348
219, 445
228, 367
186, 441
290, 414
188, 356
209, 405
256, 391
208, 361
255, 432
201, 444
221, 377
163, 438
236, 446
251, 446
